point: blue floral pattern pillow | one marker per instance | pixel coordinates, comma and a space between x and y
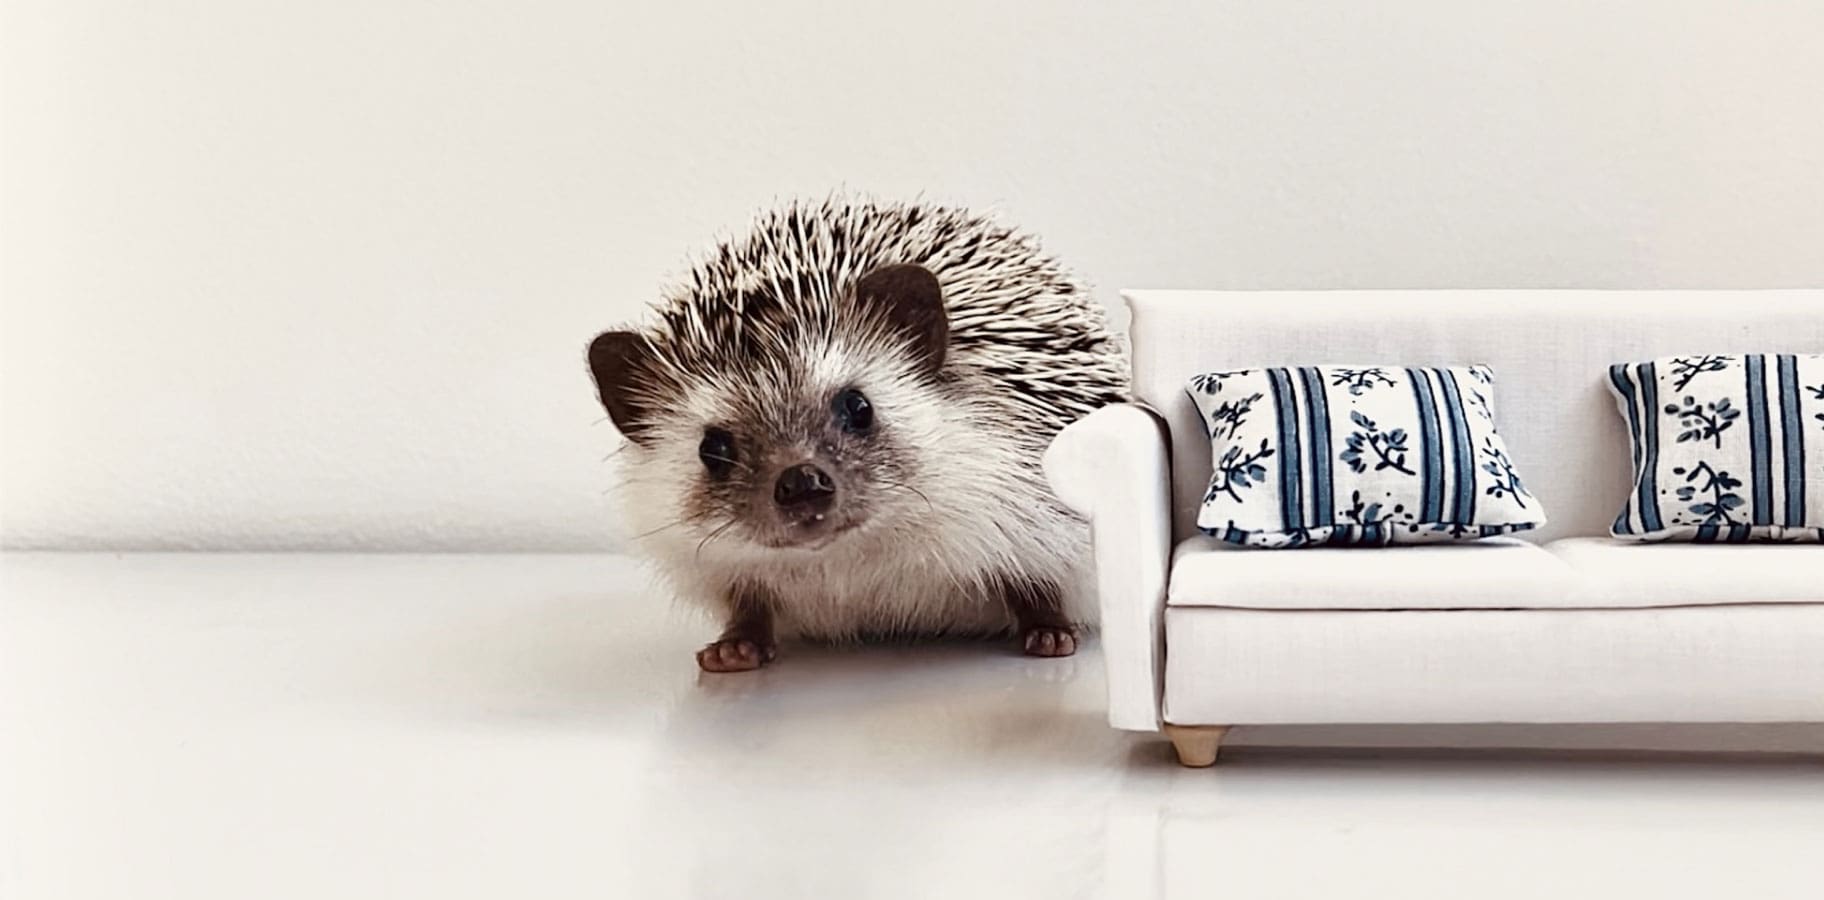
1337, 455
1726, 448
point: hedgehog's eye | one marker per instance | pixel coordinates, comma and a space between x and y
853, 411
717, 452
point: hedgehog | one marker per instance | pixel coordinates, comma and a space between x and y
834, 430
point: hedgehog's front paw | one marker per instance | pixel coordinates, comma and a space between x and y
735, 655
1049, 640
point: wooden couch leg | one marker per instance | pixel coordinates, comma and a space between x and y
1197, 745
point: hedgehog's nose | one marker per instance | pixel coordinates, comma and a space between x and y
804, 488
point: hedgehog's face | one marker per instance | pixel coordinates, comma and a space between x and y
799, 443
790, 466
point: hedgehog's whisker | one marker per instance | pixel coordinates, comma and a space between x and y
672, 524
715, 534
626, 483
906, 487
736, 463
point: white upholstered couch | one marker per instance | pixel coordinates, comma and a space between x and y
1561, 625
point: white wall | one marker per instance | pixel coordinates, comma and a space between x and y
284, 274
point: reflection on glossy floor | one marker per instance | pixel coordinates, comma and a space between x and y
332, 726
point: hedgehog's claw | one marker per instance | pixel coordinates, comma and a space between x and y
735, 655
1050, 640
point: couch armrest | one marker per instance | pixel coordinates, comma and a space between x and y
1114, 467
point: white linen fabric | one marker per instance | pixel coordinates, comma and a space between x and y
1725, 448
1690, 664
1552, 350
1611, 573
1499, 573
1112, 467
1361, 454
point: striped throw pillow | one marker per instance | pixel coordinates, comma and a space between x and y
1726, 448
1344, 455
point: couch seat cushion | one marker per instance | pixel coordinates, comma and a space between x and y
1498, 573
1625, 573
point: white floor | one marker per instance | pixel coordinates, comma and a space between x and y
402, 727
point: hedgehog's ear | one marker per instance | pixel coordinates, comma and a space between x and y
620, 362
909, 300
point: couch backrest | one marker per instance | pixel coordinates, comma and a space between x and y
1550, 351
